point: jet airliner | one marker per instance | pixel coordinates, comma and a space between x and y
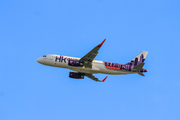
87, 66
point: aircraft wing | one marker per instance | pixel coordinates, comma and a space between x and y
91, 76
89, 57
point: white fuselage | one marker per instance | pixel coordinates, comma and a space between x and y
97, 66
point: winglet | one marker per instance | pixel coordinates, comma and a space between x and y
101, 43
104, 79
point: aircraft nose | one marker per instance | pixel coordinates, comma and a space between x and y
39, 60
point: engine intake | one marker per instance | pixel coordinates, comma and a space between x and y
76, 63
76, 75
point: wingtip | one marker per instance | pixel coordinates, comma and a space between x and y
104, 79
101, 43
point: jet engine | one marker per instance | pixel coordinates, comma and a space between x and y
76, 63
76, 75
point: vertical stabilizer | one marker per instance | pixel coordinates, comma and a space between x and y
138, 59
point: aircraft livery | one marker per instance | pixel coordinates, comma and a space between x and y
87, 66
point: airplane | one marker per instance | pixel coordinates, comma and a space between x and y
87, 66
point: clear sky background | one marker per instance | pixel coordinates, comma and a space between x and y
30, 29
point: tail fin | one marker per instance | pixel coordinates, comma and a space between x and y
138, 59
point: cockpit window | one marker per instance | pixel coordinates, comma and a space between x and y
44, 56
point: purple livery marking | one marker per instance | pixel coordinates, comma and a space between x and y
60, 59
136, 62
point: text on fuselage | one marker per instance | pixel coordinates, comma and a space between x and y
63, 59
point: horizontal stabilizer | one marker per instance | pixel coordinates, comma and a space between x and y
139, 66
140, 73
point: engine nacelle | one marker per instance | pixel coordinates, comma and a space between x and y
76, 63
76, 75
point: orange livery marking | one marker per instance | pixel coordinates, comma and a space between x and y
113, 67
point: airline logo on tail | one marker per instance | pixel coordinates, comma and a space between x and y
129, 66
138, 59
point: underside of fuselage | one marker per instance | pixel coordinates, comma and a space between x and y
96, 71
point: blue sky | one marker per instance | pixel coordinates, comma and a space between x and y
30, 29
